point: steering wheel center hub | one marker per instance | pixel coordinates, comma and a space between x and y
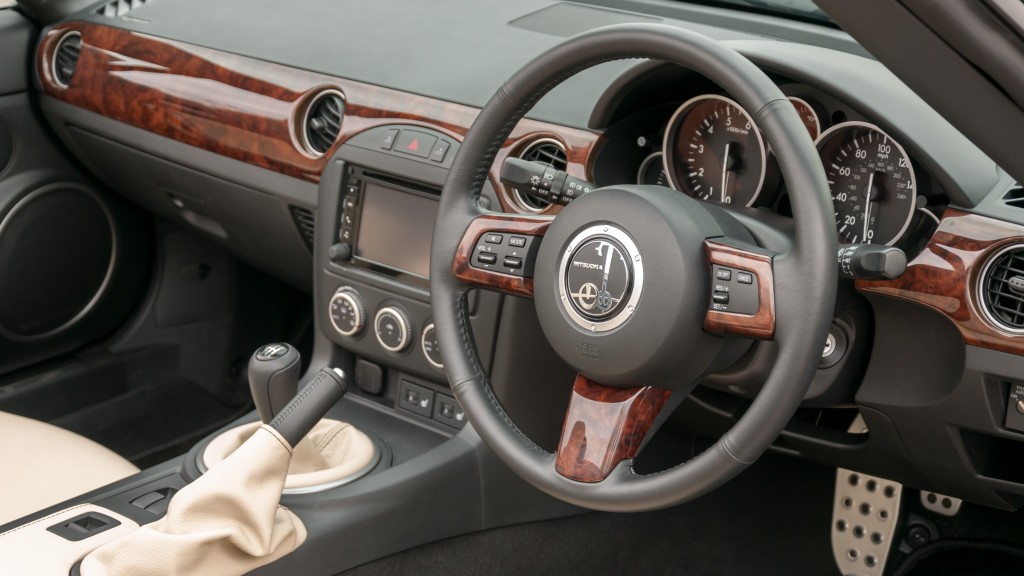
621, 285
601, 278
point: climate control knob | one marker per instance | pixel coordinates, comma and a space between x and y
428, 343
393, 328
347, 312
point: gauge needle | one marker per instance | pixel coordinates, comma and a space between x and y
725, 170
867, 204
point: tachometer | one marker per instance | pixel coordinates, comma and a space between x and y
872, 183
713, 151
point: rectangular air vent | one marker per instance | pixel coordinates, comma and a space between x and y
305, 223
119, 8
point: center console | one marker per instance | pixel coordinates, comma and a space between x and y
377, 204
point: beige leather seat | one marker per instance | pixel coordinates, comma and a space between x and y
44, 465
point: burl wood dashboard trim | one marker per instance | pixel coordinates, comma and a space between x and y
605, 426
248, 109
944, 277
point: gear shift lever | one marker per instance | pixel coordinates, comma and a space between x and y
273, 378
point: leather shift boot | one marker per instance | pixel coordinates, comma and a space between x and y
227, 522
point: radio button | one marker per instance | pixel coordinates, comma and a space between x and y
486, 257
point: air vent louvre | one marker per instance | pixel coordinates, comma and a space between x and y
65, 59
305, 222
1015, 197
548, 152
322, 124
1002, 287
119, 8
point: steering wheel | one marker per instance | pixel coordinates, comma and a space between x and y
623, 280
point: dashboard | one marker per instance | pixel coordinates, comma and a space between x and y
321, 162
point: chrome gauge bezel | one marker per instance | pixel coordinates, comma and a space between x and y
651, 158
677, 117
858, 124
814, 114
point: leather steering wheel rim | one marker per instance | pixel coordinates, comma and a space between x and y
804, 277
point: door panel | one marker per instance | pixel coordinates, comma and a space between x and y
75, 260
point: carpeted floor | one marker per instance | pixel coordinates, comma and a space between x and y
774, 519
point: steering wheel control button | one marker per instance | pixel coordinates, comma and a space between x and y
272, 351
393, 327
447, 411
415, 142
416, 399
347, 312
516, 254
512, 262
429, 347
733, 291
600, 278
389, 138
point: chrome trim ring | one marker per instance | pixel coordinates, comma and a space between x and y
979, 288
636, 281
304, 144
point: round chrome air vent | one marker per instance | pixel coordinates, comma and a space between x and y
321, 122
65, 58
1001, 289
549, 152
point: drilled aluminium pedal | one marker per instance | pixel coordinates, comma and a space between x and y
864, 519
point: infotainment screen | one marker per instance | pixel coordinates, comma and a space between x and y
395, 229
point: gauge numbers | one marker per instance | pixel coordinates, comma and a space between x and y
872, 183
714, 151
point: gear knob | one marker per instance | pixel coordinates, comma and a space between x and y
274, 371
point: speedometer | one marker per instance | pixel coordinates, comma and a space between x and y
713, 151
872, 183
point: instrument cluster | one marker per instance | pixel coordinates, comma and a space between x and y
711, 149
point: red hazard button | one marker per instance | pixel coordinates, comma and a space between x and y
415, 142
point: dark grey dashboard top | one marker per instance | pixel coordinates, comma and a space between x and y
453, 50
462, 50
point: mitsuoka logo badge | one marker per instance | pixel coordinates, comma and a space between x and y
599, 277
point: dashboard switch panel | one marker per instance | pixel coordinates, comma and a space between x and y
416, 399
1015, 408
447, 411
